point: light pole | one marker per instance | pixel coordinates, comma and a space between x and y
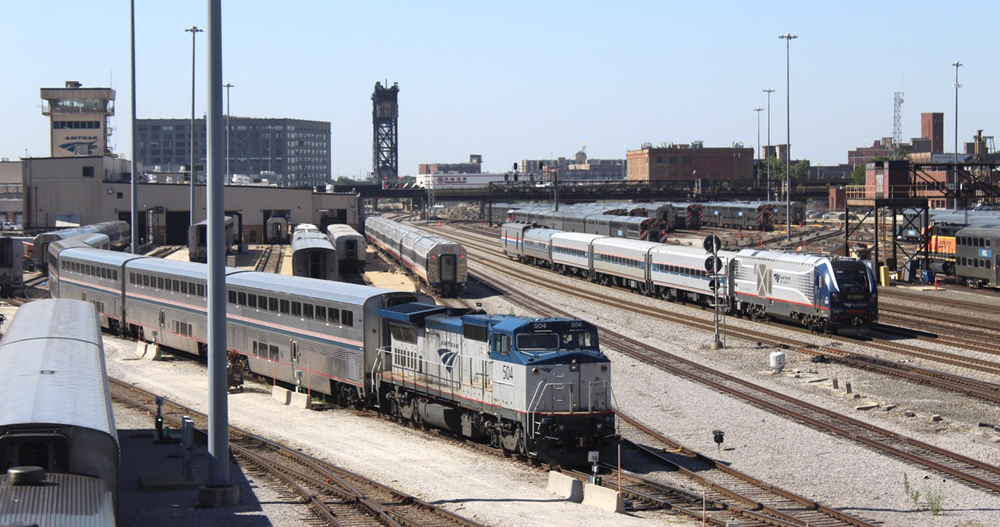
767, 152
228, 173
194, 32
133, 184
957, 65
758, 110
788, 133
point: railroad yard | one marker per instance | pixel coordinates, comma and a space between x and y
901, 427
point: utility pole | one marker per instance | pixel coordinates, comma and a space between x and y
788, 122
767, 157
229, 174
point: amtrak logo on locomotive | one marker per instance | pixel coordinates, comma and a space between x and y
447, 358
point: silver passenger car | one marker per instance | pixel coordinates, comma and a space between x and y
198, 239
434, 260
56, 413
313, 254
351, 246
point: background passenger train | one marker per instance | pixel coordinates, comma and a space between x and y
753, 216
351, 246
118, 233
535, 386
825, 294
436, 261
977, 262
277, 230
56, 414
313, 254
198, 239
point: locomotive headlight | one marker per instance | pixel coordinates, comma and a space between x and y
534, 371
835, 297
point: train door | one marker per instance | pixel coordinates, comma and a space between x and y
315, 264
163, 324
294, 360
449, 268
351, 250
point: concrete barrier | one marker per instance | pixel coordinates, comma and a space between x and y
565, 486
601, 498
300, 400
147, 350
280, 394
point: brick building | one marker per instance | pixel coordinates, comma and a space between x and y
474, 166
932, 129
688, 162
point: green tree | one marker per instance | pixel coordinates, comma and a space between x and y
800, 172
344, 181
858, 178
777, 169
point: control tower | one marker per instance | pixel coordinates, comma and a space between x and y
79, 119
385, 150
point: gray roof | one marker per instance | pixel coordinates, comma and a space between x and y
52, 359
313, 288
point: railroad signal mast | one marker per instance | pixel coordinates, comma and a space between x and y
714, 264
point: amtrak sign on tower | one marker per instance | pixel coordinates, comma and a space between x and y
79, 119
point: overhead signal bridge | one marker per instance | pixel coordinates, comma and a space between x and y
581, 191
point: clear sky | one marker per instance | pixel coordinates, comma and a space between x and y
522, 80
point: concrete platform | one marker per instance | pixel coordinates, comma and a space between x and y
182, 255
395, 281
153, 493
161, 482
286, 262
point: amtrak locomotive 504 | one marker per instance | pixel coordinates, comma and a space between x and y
535, 386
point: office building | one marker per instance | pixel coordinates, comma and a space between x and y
289, 152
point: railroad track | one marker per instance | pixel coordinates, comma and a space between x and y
723, 495
337, 496
971, 471
164, 251
270, 259
718, 481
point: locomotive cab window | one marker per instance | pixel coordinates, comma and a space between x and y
501, 344
403, 334
578, 341
537, 341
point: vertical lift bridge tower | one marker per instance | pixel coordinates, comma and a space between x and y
385, 150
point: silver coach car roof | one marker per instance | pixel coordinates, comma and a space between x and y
71, 361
